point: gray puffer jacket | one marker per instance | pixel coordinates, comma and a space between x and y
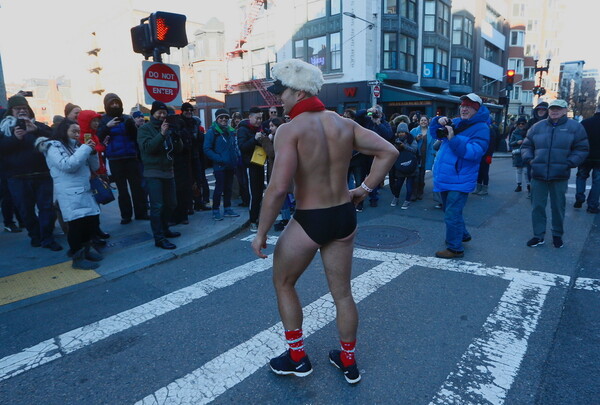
554, 149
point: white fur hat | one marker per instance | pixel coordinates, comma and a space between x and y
297, 75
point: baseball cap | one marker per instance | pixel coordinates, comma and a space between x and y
473, 97
558, 103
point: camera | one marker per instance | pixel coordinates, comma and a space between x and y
442, 132
374, 114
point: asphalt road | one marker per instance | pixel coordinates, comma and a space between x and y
507, 325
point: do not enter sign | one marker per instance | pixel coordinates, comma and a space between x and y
376, 91
161, 83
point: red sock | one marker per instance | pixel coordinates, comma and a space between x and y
347, 355
296, 343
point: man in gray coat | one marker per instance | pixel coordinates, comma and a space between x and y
553, 147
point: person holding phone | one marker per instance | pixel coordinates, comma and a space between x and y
157, 147
119, 133
70, 163
27, 173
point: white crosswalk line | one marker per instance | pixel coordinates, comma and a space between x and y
232, 367
488, 368
76, 339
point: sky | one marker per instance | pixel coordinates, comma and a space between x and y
54, 25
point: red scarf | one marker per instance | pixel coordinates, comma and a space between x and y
308, 104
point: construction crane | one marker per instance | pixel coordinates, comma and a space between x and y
238, 52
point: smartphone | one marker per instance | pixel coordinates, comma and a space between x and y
118, 119
173, 120
86, 137
21, 124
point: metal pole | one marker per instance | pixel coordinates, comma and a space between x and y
506, 113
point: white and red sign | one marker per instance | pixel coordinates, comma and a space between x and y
161, 83
376, 91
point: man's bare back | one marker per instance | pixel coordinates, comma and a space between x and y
314, 150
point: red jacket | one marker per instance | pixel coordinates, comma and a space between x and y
85, 119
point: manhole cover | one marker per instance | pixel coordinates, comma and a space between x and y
385, 237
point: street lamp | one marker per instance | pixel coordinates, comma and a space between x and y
539, 90
352, 15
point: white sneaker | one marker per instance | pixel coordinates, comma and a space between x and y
253, 227
394, 202
405, 205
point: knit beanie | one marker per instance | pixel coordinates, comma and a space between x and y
186, 106
158, 105
402, 127
221, 111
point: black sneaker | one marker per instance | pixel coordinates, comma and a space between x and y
533, 242
284, 365
578, 204
518, 189
351, 373
557, 242
12, 228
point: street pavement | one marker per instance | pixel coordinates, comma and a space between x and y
29, 275
507, 324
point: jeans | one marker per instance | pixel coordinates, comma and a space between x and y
256, 182
223, 185
162, 203
453, 203
126, 171
396, 183
583, 172
8, 208
199, 176
27, 193
540, 189
483, 177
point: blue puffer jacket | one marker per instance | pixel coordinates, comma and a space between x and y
457, 162
122, 143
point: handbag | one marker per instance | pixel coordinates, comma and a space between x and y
406, 163
259, 156
101, 190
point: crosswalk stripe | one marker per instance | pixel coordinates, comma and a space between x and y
223, 372
52, 349
488, 368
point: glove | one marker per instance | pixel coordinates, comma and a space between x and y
488, 159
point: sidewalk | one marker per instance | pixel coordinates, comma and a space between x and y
29, 275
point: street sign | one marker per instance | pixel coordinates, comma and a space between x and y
381, 76
373, 82
161, 83
376, 91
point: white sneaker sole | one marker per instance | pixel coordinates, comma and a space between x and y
296, 373
350, 381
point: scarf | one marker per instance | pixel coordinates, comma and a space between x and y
308, 104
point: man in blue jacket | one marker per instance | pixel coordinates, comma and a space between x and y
464, 141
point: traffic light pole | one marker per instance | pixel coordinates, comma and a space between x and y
157, 55
506, 113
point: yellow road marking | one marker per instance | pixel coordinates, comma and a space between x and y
39, 281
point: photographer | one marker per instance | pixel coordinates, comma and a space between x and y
405, 167
463, 143
26, 171
157, 147
375, 121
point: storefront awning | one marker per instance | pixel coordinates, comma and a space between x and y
391, 94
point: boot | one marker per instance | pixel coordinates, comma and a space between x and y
92, 254
484, 190
478, 189
80, 263
519, 188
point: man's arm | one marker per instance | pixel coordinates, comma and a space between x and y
385, 154
284, 168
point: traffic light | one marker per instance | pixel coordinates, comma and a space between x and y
510, 76
168, 29
160, 30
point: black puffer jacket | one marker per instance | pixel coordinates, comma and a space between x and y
554, 149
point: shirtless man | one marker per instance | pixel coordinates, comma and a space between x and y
314, 151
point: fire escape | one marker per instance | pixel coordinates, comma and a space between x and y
238, 52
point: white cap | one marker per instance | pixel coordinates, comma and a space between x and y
473, 97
